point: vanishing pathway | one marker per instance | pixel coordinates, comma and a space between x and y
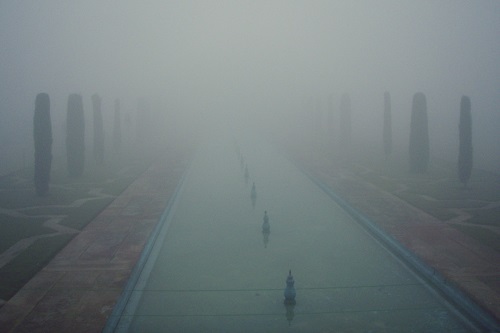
212, 268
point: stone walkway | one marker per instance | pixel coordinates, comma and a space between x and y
77, 290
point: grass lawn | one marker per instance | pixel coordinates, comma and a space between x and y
15, 274
75, 201
15, 228
486, 216
438, 192
79, 217
484, 235
432, 207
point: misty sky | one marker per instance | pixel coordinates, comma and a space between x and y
226, 60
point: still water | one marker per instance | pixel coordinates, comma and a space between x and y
212, 268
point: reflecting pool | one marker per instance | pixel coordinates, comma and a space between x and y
213, 267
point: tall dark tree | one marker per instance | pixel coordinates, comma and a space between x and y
75, 136
42, 135
317, 130
143, 122
345, 125
98, 130
117, 127
387, 131
331, 122
128, 127
419, 135
465, 141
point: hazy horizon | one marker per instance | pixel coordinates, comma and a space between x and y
228, 63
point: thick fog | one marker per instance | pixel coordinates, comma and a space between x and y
268, 64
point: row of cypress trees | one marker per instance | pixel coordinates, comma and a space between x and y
75, 137
419, 134
419, 138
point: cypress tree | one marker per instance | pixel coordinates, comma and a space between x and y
331, 127
128, 127
387, 131
143, 123
331, 118
419, 135
465, 141
75, 136
117, 127
317, 119
98, 130
345, 124
42, 135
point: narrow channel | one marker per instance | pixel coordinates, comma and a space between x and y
212, 269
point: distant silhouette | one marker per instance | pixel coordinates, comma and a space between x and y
387, 130
266, 229
247, 175
345, 125
143, 123
42, 135
117, 127
253, 195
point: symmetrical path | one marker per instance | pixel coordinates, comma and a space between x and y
213, 269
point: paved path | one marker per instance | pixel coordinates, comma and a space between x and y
77, 290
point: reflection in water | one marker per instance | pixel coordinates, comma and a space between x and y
290, 297
354, 259
247, 175
253, 195
266, 229
290, 313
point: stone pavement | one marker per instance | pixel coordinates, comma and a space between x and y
463, 261
77, 290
